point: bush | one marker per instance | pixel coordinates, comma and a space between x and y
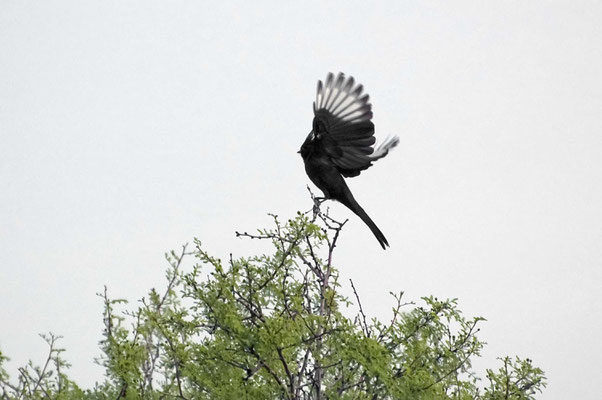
275, 327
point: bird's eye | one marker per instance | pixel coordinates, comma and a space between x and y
320, 127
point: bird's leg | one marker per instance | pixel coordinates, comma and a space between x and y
317, 202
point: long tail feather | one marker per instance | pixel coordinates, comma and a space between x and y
359, 211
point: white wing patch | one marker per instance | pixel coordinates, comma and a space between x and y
384, 148
343, 99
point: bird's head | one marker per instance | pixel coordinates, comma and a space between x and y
306, 146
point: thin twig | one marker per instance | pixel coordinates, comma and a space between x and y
359, 303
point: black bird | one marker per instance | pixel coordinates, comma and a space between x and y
340, 142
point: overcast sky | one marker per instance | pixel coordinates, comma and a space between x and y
128, 128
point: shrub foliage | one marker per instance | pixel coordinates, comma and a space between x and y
277, 327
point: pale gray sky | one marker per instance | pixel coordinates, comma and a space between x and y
128, 128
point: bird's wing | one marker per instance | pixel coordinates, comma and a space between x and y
343, 127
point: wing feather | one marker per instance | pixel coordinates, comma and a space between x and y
343, 115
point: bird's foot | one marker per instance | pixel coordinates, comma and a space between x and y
317, 203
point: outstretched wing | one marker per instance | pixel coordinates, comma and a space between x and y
342, 123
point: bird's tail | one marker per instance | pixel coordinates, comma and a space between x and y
359, 211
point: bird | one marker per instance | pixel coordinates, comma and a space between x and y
340, 144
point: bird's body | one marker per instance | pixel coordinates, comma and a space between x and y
325, 176
340, 143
